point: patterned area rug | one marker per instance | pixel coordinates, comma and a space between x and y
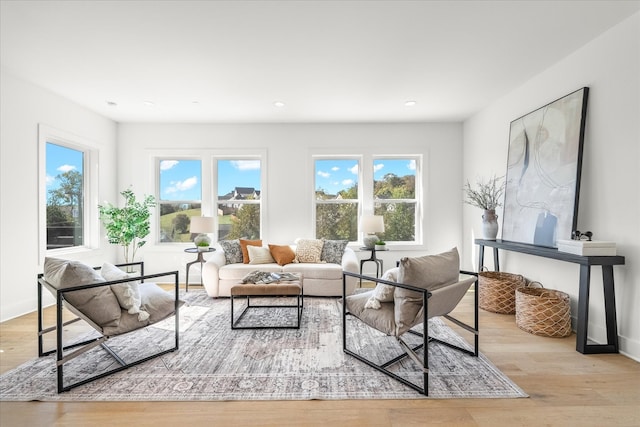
217, 363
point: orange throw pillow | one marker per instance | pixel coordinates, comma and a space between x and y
282, 254
245, 251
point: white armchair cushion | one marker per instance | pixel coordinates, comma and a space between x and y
128, 294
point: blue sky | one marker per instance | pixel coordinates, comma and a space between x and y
181, 179
333, 175
60, 160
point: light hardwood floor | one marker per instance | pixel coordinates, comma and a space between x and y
565, 387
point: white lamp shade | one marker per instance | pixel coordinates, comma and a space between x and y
372, 224
202, 224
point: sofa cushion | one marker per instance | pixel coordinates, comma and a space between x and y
429, 272
315, 271
128, 294
282, 254
243, 245
259, 255
332, 251
232, 251
98, 304
309, 250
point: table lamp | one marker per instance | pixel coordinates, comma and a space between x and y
370, 225
202, 225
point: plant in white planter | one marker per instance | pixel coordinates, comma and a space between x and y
129, 225
380, 246
487, 196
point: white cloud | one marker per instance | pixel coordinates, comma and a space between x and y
66, 168
335, 168
165, 165
245, 165
411, 165
324, 174
377, 167
49, 180
347, 182
187, 184
354, 169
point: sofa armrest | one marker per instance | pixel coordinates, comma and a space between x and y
211, 272
350, 264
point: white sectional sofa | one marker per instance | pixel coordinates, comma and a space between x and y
320, 279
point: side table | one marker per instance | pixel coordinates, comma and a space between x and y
373, 258
200, 259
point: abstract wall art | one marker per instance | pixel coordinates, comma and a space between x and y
543, 172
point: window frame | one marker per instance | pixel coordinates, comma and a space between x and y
215, 200
358, 201
418, 194
90, 220
365, 189
209, 195
157, 161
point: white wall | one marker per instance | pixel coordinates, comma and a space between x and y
24, 106
289, 187
609, 193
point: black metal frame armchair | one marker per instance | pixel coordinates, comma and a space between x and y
63, 355
439, 302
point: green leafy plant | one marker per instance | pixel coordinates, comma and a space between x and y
128, 225
203, 243
380, 242
487, 195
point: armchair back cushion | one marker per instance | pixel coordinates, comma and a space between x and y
430, 272
98, 304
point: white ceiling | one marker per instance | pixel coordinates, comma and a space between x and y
328, 61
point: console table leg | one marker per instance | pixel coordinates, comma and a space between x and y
496, 260
610, 307
481, 258
583, 309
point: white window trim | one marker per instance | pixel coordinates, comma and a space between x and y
91, 226
209, 159
420, 199
365, 186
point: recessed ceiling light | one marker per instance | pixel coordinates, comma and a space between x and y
149, 103
410, 103
112, 104
278, 104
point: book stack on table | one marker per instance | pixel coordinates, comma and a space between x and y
587, 247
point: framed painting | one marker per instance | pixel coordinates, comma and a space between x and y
543, 172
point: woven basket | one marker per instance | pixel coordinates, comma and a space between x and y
544, 312
498, 291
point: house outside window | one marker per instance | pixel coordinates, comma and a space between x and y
65, 196
394, 197
336, 198
179, 198
239, 198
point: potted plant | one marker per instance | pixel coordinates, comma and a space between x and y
380, 245
487, 196
128, 225
202, 245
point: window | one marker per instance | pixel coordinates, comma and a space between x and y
336, 198
179, 197
394, 197
239, 198
65, 195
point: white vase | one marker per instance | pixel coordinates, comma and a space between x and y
489, 225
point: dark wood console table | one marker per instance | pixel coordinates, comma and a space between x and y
607, 263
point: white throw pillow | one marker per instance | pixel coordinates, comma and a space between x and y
382, 292
259, 255
127, 293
